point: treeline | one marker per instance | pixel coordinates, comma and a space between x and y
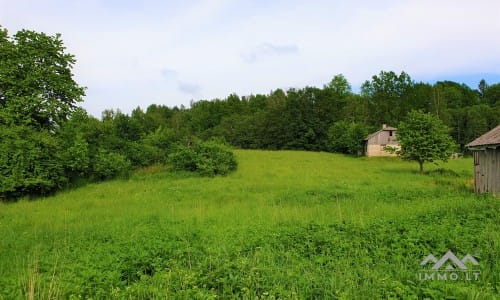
331, 118
47, 142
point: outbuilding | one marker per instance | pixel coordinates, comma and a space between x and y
486, 151
376, 142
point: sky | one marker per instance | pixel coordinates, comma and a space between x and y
136, 53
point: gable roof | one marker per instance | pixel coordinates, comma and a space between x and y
386, 128
490, 138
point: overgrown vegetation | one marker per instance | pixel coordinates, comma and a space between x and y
64, 146
286, 224
423, 138
208, 158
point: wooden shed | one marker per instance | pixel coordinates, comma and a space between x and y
486, 151
376, 142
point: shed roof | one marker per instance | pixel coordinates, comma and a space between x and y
490, 138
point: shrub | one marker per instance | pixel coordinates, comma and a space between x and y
109, 164
30, 162
160, 143
76, 157
345, 137
208, 158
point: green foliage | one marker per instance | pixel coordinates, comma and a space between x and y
339, 86
388, 93
424, 138
106, 165
30, 162
36, 84
208, 158
346, 137
160, 144
37, 96
492, 95
76, 158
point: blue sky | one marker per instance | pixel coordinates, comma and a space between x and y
135, 53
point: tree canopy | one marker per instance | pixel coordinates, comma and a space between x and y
424, 138
37, 88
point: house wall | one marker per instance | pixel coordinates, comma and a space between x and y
376, 143
487, 171
378, 150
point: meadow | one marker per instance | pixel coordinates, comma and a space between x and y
285, 225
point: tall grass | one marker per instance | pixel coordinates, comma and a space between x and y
286, 225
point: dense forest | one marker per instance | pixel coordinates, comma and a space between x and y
331, 118
48, 142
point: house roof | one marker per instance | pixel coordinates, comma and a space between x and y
490, 138
386, 128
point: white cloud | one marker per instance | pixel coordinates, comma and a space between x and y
189, 88
268, 50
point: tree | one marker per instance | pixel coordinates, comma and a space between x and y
481, 88
339, 86
347, 137
492, 95
423, 138
36, 84
30, 162
37, 96
388, 95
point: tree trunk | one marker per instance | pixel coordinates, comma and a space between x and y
421, 163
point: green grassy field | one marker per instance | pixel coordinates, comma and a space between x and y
287, 225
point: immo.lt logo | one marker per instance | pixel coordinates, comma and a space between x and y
449, 268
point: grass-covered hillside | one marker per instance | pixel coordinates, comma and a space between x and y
287, 225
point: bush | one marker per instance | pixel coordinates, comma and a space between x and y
76, 157
346, 137
208, 158
160, 143
30, 162
109, 165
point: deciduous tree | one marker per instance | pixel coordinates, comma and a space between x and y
36, 83
423, 138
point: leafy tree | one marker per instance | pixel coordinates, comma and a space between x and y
492, 95
30, 162
347, 137
37, 96
387, 94
423, 138
357, 109
481, 88
456, 95
108, 165
339, 85
36, 84
419, 97
273, 130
